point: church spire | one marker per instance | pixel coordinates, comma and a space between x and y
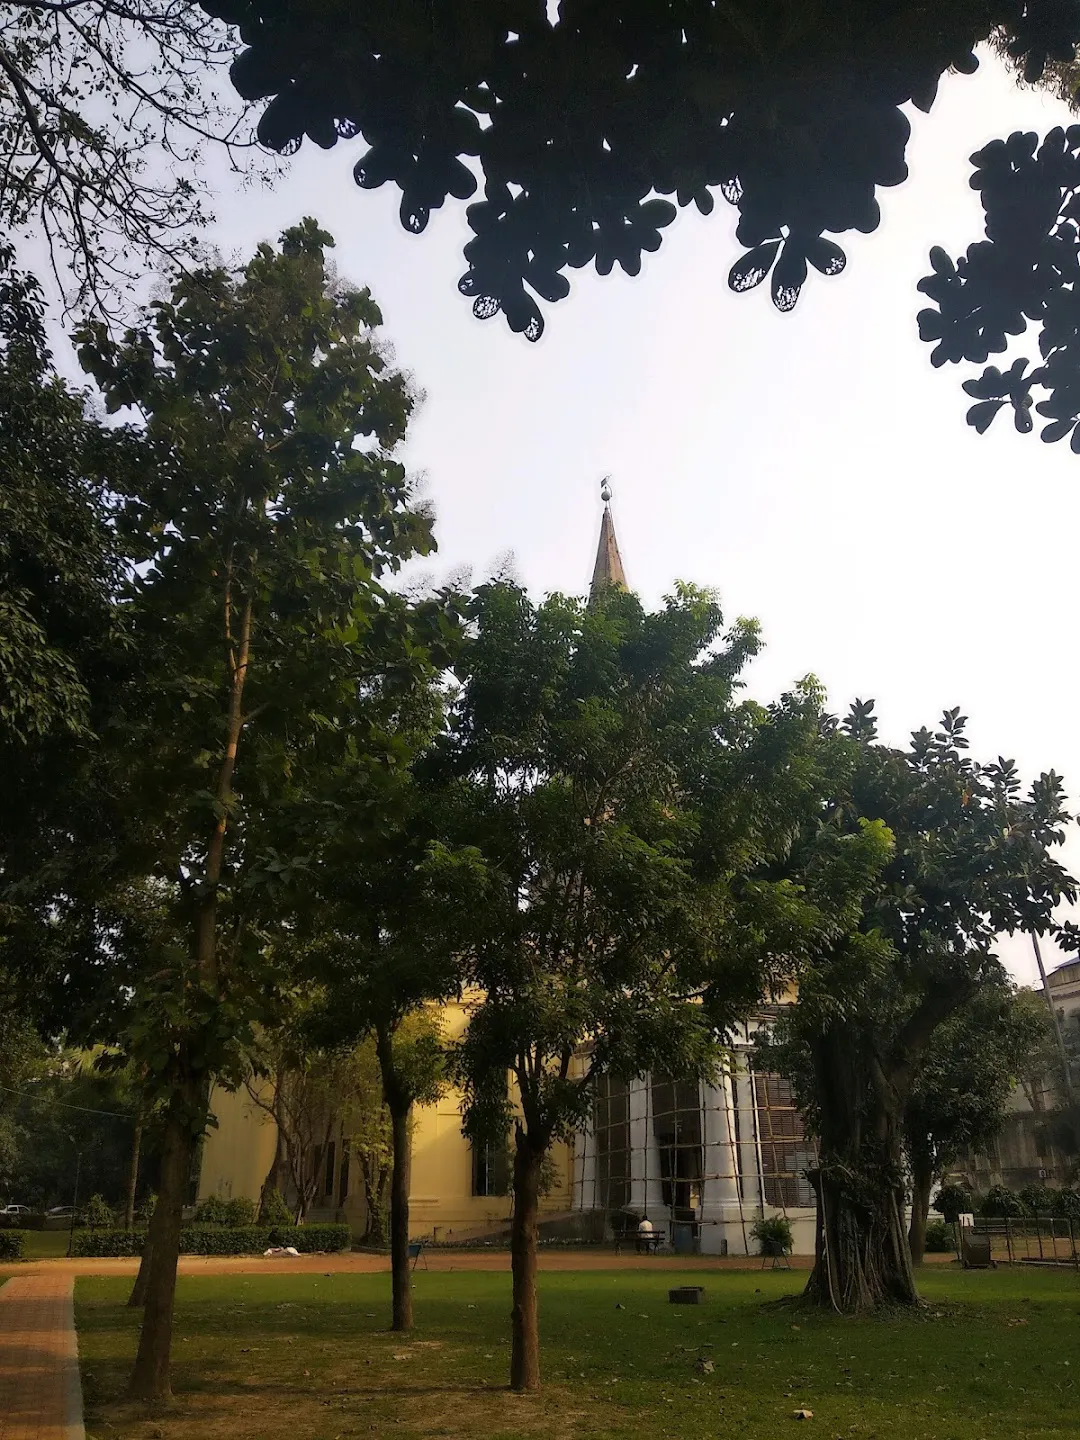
608, 569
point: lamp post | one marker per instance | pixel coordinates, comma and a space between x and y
74, 1203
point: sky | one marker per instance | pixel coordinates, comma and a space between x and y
812, 467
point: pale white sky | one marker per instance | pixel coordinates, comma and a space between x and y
812, 467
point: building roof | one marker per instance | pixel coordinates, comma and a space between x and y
608, 569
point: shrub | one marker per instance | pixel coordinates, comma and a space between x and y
274, 1211
98, 1214
107, 1244
223, 1240
773, 1234
938, 1239
1037, 1199
217, 1210
1000, 1200
34, 1221
310, 1238
1067, 1204
240, 1211
953, 1200
217, 1240
11, 1244
146, 1207
213, 1211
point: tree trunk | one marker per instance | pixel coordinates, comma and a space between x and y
376, 1184
922, 1182
137, 1298
272, 1182
399, 1217
861, 1259
133, 1173
525, 1352
150, 1378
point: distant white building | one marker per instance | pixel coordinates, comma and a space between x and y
702, 1162
1031, 1147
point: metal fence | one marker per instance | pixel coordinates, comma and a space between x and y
1031, 1239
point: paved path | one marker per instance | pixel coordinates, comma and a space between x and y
40, 1396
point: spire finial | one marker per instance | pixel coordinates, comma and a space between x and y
608, 570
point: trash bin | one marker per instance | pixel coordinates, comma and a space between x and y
684, 1239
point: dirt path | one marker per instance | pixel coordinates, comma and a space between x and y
356, 1263
40, 1396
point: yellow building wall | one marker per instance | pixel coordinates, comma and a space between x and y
239, 1152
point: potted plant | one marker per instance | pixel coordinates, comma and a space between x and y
773, 1234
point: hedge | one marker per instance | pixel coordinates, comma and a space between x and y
34, 1221
218, 1240
11, 1244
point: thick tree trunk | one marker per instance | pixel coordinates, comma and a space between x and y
399, 1218
150, 1378
861, 1257
133, 1173
922, 1183
861, 1260
525, 1351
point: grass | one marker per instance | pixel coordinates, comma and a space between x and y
44, 1244
995, 1355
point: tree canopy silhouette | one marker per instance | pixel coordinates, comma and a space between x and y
577, 122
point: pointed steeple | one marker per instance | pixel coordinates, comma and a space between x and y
608, 569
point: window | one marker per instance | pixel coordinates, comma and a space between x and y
676, 1118
328, 1188
785, 1152
490, 1168
611, 1130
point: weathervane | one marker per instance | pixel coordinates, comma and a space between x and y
605, 489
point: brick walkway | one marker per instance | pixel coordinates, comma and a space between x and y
40, 1396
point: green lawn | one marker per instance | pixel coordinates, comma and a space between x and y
44, 1244
308, 1358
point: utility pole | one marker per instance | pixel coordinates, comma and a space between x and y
1065, 1067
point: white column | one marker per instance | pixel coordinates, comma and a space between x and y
639, 1142
749, 1158
646, 1187
720, 1184
654, 1185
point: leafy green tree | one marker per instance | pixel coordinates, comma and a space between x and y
1002, 1202
58, 566
21, 1055
262, 508
371, 1141
1037, 1199
952, 1201
613, 868
958, 1100
381, 978
578, 120
381, 949
67, 1115
972, 858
